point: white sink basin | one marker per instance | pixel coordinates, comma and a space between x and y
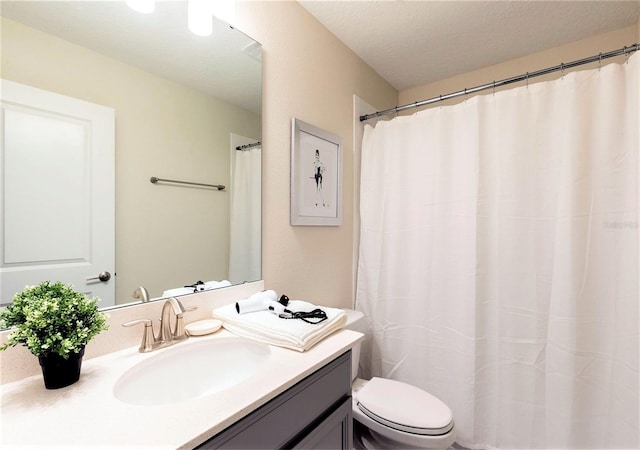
191, 370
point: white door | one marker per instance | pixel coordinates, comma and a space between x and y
57, 199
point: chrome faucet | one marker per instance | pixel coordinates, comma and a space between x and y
141, 294
166, 336
178, 333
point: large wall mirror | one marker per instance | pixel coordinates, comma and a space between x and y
185, 108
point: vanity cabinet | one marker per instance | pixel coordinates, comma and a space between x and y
314, 413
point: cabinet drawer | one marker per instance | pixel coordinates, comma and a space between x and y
285, 418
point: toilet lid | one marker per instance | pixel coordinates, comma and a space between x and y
404, 407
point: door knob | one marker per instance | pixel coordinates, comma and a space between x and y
102, 276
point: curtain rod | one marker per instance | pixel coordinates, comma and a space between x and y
154, 180
599, 57
248, 146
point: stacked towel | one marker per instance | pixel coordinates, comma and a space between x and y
216, 284
296, 334
177, 291
196, 288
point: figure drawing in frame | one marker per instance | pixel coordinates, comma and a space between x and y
319, 167
316, 172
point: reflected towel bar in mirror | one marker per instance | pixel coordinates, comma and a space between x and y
155, 180
248, 146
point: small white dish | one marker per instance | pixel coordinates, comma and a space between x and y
203, 327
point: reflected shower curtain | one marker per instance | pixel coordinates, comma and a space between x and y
245, 248
498, 261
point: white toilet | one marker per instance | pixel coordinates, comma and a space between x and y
389, 414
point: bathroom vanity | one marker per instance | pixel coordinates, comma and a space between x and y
315, 413
294, 399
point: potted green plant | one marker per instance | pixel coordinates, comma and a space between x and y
55, 322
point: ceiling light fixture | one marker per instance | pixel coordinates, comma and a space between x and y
199, 18
142, 6
199, 13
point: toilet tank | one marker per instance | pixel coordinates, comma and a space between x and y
355, 322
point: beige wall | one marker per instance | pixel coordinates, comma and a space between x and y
165, 235
574, 51
309, 75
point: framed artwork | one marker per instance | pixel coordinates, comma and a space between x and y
316, 176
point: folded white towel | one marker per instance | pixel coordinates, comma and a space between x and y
296, 334
177, 291
216, 284
196, 288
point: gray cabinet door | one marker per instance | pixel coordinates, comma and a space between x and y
334, 432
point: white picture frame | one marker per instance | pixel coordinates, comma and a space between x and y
316, 176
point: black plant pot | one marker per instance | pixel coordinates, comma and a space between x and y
59, 372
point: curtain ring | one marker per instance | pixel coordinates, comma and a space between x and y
465, 94
440, 101
494, 88
626, 54
527, 79
599, 61
562, 70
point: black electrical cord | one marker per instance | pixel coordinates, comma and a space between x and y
195, 286
305, 316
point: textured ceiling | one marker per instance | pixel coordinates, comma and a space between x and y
410, 43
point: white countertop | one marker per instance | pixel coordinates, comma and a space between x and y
86, 414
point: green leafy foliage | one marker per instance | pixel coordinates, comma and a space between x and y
52, 318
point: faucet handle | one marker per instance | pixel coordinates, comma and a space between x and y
148, 338
179, 333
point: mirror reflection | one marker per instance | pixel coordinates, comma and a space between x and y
184, 108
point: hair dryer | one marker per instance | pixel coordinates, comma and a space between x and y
262, 301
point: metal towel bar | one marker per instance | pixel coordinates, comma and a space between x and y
219, 187
248, 146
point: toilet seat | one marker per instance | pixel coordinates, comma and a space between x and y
404, 407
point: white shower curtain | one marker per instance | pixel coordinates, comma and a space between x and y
498, 261
245, 248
